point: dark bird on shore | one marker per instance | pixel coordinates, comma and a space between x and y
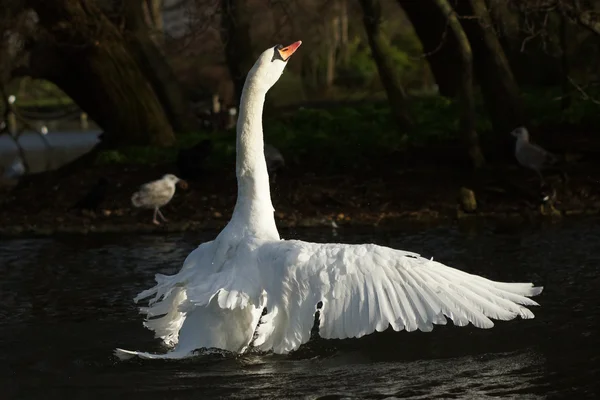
94, 198
190, 161
530, 155
275, 161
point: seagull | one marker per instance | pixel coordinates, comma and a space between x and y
530, 155
249, 289
157, 194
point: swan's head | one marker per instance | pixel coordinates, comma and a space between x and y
521, 133
270, 65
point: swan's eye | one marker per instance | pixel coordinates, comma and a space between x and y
277, 54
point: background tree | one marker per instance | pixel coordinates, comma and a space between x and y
380, 49
467, 100
83, 52
500, 91
142, 40
235, 33
439, 48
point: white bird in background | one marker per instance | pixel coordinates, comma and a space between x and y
530, 155
44, 130
157, 194
250, 289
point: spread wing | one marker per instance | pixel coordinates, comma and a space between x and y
364, 288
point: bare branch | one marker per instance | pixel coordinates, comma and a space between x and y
584, 94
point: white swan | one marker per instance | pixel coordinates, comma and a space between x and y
218, 298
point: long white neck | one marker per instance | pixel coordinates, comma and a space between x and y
253, 209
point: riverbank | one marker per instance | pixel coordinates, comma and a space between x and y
379, 198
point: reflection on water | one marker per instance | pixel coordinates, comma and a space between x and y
67, 303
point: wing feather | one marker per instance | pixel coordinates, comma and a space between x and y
367, 288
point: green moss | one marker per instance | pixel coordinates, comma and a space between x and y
223, 151
37, 93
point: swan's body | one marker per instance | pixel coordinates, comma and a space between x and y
156, 194
218, 298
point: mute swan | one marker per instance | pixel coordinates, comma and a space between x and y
157, 194
248, 288
530, 155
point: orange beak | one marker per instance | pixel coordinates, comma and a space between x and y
287, 52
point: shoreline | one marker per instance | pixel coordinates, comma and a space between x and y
378, 199
425, 218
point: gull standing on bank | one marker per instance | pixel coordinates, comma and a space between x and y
157, 194
530, 155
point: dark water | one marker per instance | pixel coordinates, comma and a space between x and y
66, 304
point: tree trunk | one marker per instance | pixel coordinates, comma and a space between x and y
564, 58
153, 10
439, 46
467, 101
333, 36
380, 49
235, 33
87, 57
344, 31
500, 91
156, 68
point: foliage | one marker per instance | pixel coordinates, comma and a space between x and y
223, 149
353, 136
361, 70
544, 105
289, 90
341, 136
